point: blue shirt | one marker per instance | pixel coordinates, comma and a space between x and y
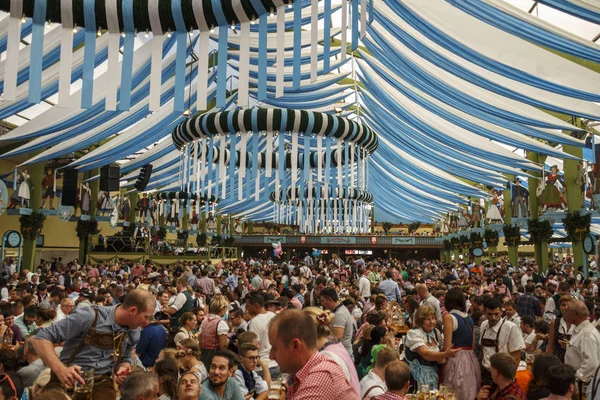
231, 281
391, 290
74, 327
232, 391
152, 340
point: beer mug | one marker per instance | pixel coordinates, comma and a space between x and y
83, 391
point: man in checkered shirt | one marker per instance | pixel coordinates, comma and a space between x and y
529, 304
293, 337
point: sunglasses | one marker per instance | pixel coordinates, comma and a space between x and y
5, 377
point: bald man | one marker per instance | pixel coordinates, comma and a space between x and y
583, 352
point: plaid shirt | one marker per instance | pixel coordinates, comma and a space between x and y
320, 378
528, 305
513, 390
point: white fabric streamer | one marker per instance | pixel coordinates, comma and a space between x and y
157, 44
363, 18
314, 38
344, 35
196, 169
222, 171
203, 41
269, 148
12, 50
203, 166
319, 157
279, 82
257, 180
66, 53
112, 19
339, 166
352, 166
244, 73
294, 161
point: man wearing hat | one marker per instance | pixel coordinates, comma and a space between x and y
520, 199
85, 298
26, 322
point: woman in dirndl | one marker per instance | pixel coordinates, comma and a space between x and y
458, 334
422, 352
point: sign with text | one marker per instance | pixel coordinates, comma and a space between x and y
373, 239
358, 252
338, 240
274, 239
403, 240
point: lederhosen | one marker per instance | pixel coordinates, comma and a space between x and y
102, 340
486, 377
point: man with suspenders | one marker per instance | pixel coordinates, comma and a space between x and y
498, 335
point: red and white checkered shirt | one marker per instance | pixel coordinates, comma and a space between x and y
321, 378
388, 396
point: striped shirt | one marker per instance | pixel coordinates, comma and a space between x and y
73, 329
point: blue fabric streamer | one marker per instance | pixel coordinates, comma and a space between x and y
262, 58
176, 11
453, 45
346, 165
355, 27
326, 36
458, 70
127, 61
207, 179
458, 121
222, 67
282, 177
328, 159
573, 9
232, 159
87, 88
523, 29
37, 48
217, 10
297, 43
51, 57
259, 7
255, 136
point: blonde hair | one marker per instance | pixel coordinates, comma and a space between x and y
366, 333
565, 299
323, 319
218, 304
422, 314
169, 353
191, 347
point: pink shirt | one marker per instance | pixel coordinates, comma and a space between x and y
339, 350
321, 378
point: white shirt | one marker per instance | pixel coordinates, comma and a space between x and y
583, 352
369, 381
364, 286
179, 302
550, 305
260, 325
525, 278
509, 339
59, 315
515, 319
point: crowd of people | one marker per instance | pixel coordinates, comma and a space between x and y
307, 328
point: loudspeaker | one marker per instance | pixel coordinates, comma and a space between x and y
109, 178
143, 178
69, 189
